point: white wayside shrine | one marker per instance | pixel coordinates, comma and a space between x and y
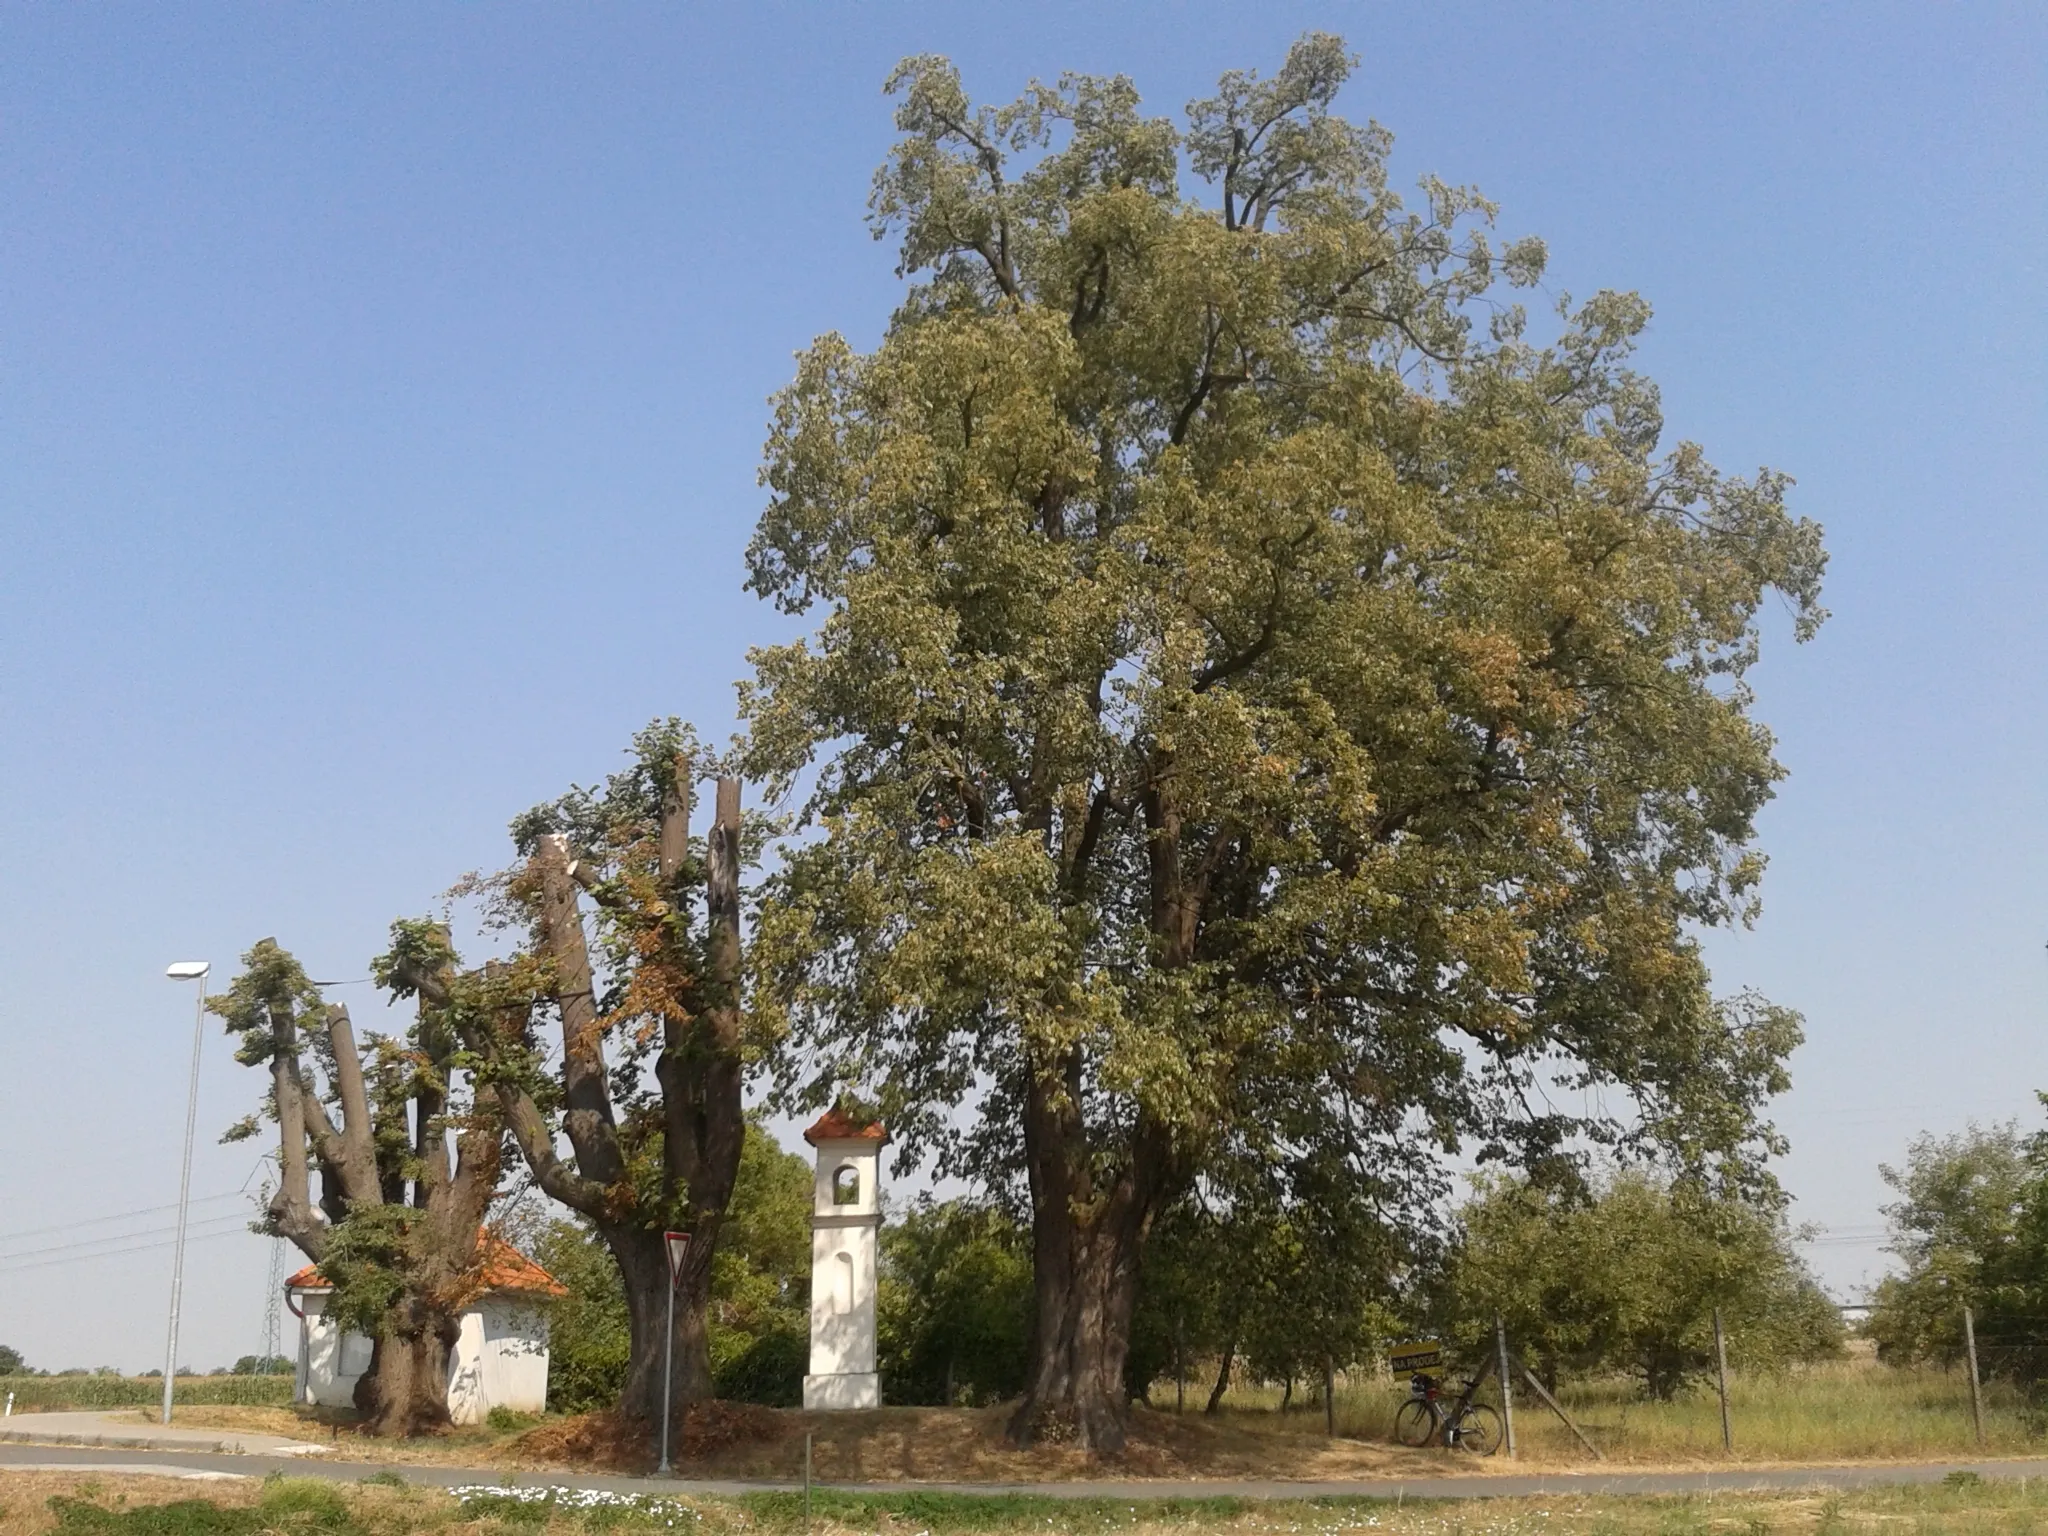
846, 1220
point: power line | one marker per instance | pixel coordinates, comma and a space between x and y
158, 1234
100, 1221
115, 1253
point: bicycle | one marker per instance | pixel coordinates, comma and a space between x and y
1463, 1426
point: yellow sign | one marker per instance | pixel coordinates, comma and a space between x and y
1424, 1355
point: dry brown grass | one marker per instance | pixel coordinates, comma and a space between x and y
1855, 1411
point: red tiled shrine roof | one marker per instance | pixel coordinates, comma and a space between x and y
837, 1125
500, 1267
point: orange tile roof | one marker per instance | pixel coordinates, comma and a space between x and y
500, 1267
837, 1125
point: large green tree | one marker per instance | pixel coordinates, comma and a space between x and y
1261, 692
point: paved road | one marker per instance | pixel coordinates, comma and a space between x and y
130, 1430
181, 1463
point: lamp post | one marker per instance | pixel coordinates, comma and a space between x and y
184, 970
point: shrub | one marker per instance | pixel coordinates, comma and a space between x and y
955, 1304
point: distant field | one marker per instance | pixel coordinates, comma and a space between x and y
52, 1394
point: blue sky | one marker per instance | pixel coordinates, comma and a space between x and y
382, 388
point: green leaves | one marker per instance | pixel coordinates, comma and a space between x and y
269, 1005
1262, 704
1627, 1277
954, 1305
371, 1259
1971, 1226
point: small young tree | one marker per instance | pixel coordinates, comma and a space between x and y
1963, 1203
395, 1226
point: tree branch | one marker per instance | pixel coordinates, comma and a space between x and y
358, 1147
589, 1120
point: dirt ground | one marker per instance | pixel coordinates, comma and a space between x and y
946, 1445
930, 1445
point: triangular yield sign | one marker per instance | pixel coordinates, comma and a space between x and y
678, 1245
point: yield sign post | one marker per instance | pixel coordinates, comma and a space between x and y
676, 1245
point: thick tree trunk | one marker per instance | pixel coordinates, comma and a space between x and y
1093, 1197
704, 1122
643, 1270
405, 1391
1088, 1237
1080, 1336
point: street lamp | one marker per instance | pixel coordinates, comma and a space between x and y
184, 970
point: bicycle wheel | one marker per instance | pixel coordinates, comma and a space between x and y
1477, 1430
1414, 1424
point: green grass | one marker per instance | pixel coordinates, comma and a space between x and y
291, 1506
305, 1507
53, 1394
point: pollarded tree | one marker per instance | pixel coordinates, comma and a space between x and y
1253, 697
644, 1080
395, 1225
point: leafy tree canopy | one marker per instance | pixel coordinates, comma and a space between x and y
1971, 1228
1628, 1280
1262, 689
954, 1304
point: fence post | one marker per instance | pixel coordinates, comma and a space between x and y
1329, 1396
1721, 1374
807, 1479
1976, 1392
1507, 1393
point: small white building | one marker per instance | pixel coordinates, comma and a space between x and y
500, 1360
846, 1221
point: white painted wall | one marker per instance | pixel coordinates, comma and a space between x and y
843, 1253
330, 1361
500, 1359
